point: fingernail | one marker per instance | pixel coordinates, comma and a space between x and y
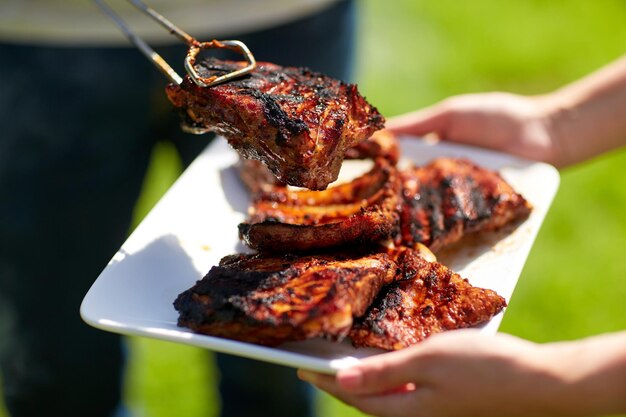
350, 378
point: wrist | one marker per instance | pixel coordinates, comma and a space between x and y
559, 111
587, 375
560, 363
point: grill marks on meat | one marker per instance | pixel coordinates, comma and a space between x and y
389, 300
298, 122
361, 212
271, 300
427, 298
449, 198
436, 205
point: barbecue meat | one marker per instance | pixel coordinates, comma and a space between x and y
427, 298
451, 197
362, 212
436, 205
271, 300
298, 122
365, 227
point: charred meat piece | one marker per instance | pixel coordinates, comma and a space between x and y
298, 122
361, 212
427, 298
271, 300
448, 198
366, 227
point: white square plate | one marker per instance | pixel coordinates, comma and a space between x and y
195, 225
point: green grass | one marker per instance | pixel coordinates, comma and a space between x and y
415, 53
573, 284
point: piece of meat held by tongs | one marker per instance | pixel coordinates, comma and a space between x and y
298, 122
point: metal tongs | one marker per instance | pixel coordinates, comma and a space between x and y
195, 47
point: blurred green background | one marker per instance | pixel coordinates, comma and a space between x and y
413, 53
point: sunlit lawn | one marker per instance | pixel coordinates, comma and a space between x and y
412, 54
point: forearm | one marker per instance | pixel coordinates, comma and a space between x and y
589, 116
593, 375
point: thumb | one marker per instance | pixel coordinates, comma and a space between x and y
420, 122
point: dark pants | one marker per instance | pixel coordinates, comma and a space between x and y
77, 127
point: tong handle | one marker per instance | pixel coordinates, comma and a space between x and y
195, 47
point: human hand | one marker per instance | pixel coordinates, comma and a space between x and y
521, 125
461, 372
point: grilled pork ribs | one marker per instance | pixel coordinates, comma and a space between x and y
426, 298
271, 300
389, 300
436, 205
451, 197
298, 122
357, 213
